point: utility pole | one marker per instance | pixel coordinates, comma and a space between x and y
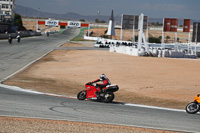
37, 26
98, 24
121, 27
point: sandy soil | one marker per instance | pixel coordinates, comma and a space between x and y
128, 34
21, 125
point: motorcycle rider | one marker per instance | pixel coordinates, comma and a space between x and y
105, 82
18, 38
10, 39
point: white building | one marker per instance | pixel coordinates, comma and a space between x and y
6, 14
7, 6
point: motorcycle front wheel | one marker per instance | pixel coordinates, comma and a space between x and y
82, 95
108, 97
192, 108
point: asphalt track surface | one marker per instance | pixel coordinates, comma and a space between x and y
15, 56
15, 102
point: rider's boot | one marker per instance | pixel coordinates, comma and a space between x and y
98, 95
100, 91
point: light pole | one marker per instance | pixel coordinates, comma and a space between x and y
38, 13
37, 27
10, 8
121, 34
97, 24
196, 39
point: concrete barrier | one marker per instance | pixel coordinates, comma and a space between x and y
155, 52
124, 50
22, 34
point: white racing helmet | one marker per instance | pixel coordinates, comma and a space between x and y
102, 76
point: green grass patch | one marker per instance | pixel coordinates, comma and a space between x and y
61, 30
79, 37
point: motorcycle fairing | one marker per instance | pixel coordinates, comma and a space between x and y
91, 92
197, 98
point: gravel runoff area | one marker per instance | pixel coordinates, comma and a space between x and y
163, 82
28, 125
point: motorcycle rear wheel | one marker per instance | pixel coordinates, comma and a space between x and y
108, 97
82, 95
192, 108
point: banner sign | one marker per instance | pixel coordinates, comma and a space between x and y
84, 25
167, 24
170, 25
62, 24
130, 20
52, 23
74, 24
174, 25
186, 25
41, 22
196, 32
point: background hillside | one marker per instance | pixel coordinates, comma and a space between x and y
29, 12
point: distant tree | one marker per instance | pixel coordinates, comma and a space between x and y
156, 24
178, 39
97, 20
154, 39
82, 20
18, 22
102, 21
104, 36
136, 38
153, 23
167, 37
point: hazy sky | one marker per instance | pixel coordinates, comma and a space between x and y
189, 9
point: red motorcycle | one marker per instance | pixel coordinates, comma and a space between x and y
106, 95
